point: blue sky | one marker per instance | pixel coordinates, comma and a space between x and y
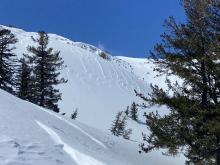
122, 27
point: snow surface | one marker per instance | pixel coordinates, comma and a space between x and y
99, 88
31, 135
77, 156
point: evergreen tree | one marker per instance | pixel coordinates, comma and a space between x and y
118, 126
127, 133
191, 52
46, 66
133, 111
63, 114
24, 81
74, 115
7, 60
127, 111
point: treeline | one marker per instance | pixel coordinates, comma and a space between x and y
34, 76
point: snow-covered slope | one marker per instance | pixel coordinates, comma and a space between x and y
99, 88
144, 70
31, 135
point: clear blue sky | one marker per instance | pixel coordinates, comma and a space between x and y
122, 27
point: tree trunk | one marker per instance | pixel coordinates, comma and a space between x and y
218, 151
204, 81
218, 157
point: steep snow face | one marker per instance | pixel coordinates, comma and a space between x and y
31, 135
144, 70
98, 87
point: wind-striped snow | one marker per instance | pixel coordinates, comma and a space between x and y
99, 88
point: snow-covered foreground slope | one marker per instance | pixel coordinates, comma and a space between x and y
30, 135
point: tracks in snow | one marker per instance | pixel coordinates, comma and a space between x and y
78, 157
76, 127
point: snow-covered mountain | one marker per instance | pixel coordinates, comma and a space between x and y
98, 88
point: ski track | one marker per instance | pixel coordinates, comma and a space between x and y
78, 157
118, 77
132, 86
83, 65
124, 78
116, 72
76, 127
101, 68
81, 59
113, 70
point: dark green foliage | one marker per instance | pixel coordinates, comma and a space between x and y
46, 66
74, 115
127, 133
7, 60
191, 52
127, 111
133, 111
24, 81
104, 55
119, 126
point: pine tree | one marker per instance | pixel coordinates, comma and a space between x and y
24, 81
74, 115
7, 60
127, 133
118, 126
134, 111
191, 52
127, 111
46, 66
